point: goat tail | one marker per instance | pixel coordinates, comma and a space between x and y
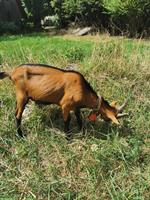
4, 75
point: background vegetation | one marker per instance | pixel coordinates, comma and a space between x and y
109, 162
128, 17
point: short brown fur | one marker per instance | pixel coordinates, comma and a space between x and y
50, 85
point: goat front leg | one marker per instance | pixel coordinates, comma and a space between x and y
79, 118
67, 118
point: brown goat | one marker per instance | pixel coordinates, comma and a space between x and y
49, 85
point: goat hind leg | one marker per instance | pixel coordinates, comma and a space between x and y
21, 102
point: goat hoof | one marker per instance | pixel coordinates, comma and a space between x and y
20, 134
68, 136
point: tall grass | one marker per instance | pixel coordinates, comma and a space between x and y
109, 162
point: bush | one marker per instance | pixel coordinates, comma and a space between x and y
131, 16
82, 12
118, 16
9, 27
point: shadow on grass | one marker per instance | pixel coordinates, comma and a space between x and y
99, 129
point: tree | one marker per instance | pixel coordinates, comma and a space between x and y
36, 9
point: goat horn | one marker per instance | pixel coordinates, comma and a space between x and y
122, 115
120, 109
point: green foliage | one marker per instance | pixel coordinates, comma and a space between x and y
9, 27
36, 10
118, 16
130, 16
84, 12
81, 12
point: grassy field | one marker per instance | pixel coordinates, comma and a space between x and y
110, 162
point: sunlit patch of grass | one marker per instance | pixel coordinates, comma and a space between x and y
108, 162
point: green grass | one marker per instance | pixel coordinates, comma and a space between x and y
109, 162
